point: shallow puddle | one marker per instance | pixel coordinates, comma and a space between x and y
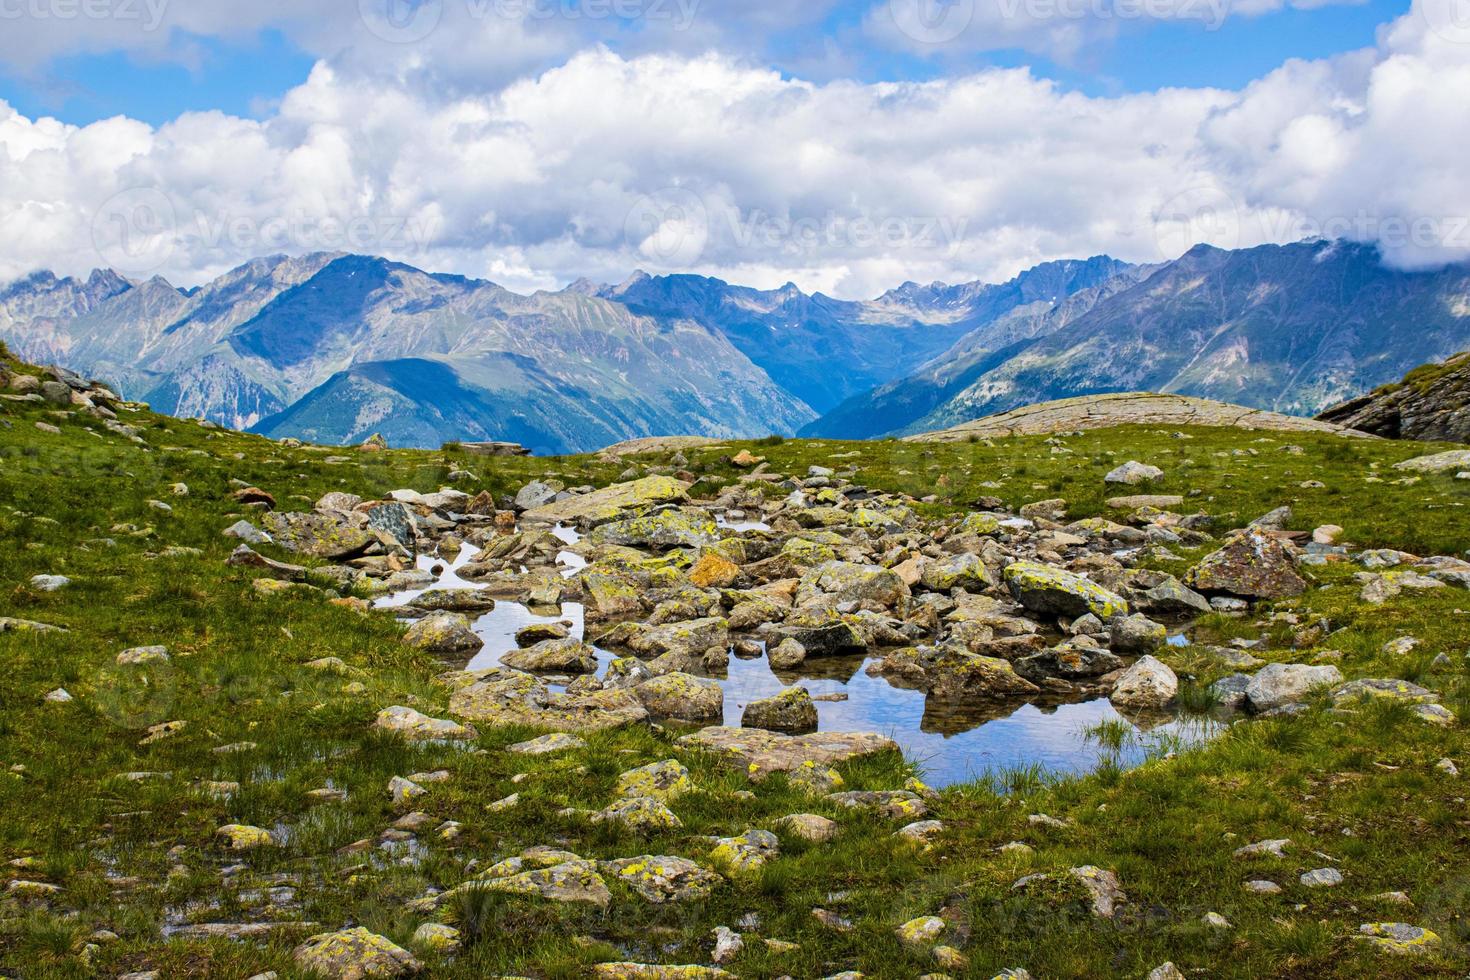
952, 743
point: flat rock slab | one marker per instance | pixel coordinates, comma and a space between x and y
610, 503
1128, 408
657, 444
761, 753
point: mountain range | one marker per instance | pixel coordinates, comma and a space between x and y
332, 347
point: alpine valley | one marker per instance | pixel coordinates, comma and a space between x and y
332, 348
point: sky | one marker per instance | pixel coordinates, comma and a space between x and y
843, 146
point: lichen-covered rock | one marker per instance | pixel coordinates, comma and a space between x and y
809, 826
512, 697
965, 571
572, 880
690, 637
442, 939
669, 527
922, 932
895, 804
760, 753
1398, 938
662, 879
1055, 591
1251, 565
790, 711
610, 503
642, 814
319, 535
1148, 685
355, 954
849, 582
563, 656
413, 724
664, 780
682, 697
1136, 634
646, 971
954, 675
746, 853
714, 571
547, 744
454, 600
241, 837
443, 632
1275, 685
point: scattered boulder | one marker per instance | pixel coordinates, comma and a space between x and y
1054, 591
1275, 685
354, 954
1149, 685
1251, 565
790, 711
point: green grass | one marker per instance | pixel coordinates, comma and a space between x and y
132, 855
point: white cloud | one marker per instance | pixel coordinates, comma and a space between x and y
704, 164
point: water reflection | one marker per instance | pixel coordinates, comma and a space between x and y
952, 742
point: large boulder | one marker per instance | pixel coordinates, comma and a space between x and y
501, 696
354, 954
692, 637
955, 675
395, 520
1137, 634
443, 632
682, 697
869, 585
964, 571
563, 656
416, 725
611, 503
758, 753
1149, 685
669, 527
1055, 591
1133, 473
1275, 685
319, 535
790, 711
1251, 565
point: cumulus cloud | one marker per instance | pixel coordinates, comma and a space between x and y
702, 163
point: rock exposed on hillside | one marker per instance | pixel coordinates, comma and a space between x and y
1130, 408
1428, 405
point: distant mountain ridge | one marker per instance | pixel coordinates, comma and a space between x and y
1286, 328
333, 347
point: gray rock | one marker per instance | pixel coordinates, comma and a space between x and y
790, 711
1276, 685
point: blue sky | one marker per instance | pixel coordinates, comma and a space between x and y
844, 145
247, 75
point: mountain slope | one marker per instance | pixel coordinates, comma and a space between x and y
825, 350
902, 402
1291, 329
568, 370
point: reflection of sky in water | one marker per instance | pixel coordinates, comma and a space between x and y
951, 744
